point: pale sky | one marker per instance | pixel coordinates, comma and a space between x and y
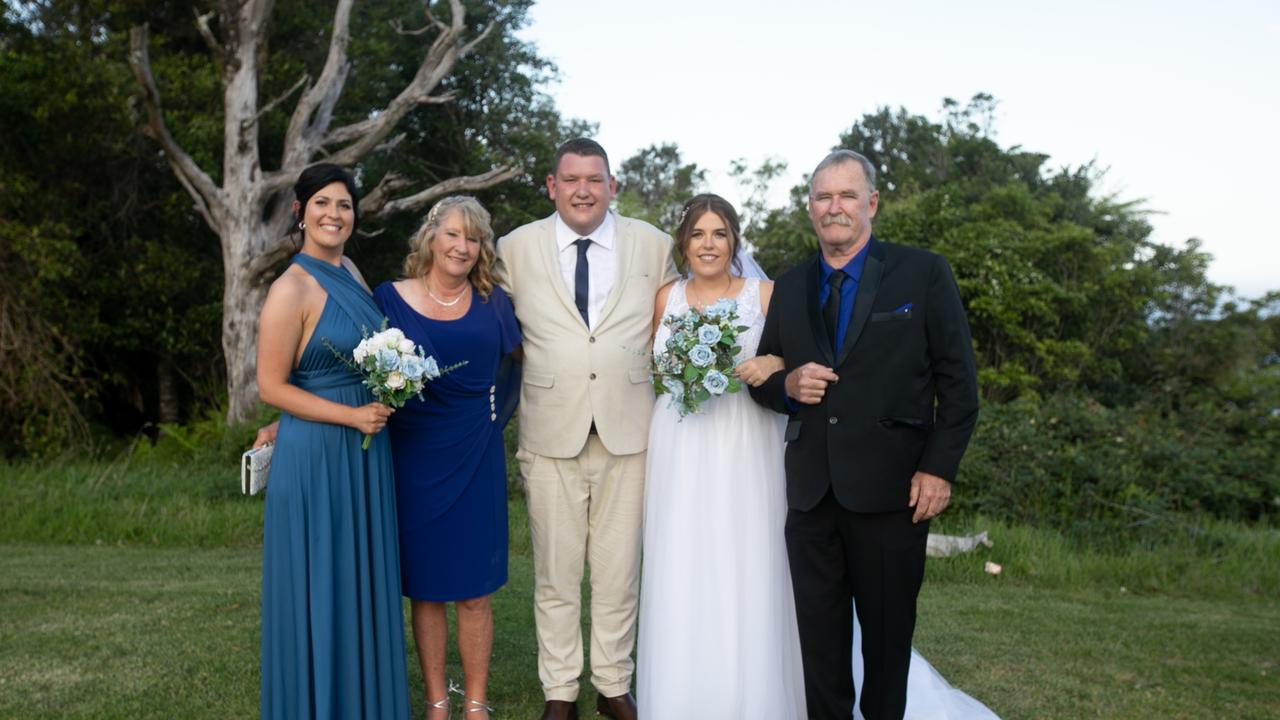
1178, 99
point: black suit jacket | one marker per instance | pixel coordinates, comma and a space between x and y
907, 398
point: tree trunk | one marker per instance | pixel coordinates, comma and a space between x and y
253, 243
170, 412
242, 296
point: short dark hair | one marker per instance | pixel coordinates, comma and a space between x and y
694, 208
585, 147
320, 175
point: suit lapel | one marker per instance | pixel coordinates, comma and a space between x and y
551, 261
623, 250
813, 276
872, 268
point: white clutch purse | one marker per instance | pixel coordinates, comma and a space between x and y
254, 465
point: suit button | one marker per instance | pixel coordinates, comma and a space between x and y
833, 421
593, 376
591, 339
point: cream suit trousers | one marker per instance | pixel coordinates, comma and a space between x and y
588, 505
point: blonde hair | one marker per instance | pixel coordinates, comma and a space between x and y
475, 222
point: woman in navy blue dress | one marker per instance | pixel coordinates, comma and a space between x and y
449, 465
332, 623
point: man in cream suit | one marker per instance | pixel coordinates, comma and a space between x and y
583, 282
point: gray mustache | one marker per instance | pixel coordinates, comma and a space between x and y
836, 220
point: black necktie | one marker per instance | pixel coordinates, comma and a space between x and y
582, 279
831, 308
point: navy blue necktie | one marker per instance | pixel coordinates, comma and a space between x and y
582, 279
831, 308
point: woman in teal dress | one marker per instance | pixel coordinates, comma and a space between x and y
450, 470
332, 624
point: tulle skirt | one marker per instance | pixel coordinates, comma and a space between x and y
718, 634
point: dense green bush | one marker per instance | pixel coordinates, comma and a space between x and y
1069, 462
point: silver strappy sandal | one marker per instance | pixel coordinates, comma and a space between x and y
441, 704
469, 705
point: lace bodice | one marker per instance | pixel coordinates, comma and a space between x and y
748, 314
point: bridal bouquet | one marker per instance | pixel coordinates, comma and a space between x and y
394, 367
698, 360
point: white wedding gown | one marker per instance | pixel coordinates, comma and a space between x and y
718, 637
718, 634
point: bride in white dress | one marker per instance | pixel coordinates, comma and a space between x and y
718, 635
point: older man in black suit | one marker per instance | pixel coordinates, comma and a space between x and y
881, 388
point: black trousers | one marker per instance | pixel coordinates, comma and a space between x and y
876, 560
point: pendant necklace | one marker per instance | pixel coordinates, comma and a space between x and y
427, 286
698, 296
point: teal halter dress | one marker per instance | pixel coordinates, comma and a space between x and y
332, 622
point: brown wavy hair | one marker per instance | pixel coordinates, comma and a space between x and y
475, 221
694, 209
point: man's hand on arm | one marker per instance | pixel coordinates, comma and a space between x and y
808, 383
930, 495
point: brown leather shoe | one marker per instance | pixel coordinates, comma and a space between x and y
622, 707
561, 710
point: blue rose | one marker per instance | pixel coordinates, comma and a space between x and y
679, 339
431, 368
702, 356
413, 367
715, 382
388, 359
708, 334
723, 307
675, 387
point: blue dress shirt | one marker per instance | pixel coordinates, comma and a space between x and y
849, 290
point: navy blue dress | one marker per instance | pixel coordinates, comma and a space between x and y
332, 623
451, 479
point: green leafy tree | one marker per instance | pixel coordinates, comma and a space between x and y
1060, 285
654, 184
102, 249
121, 264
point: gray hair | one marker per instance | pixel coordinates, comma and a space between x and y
840, 156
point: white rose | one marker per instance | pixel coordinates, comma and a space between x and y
407, 346
361, 352
393, 336
395, 380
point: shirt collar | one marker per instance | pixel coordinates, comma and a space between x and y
602, 235
853, 268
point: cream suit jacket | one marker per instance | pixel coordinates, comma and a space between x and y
572, 374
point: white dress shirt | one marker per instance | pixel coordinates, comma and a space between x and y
601, 262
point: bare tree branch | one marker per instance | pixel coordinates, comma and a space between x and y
314, 111
391, 144
432, 24
283, 96
416, 201
355, 130
466, 49
378, 197
438, 63
261, 265
347, 133
426, 10
219, 52
208, 196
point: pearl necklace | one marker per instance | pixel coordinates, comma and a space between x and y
426, 286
